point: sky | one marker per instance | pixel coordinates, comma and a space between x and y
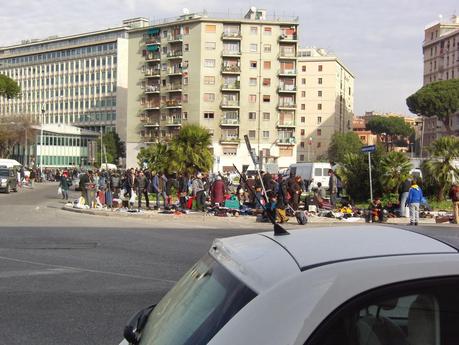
380, 41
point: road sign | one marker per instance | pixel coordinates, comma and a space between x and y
368, 149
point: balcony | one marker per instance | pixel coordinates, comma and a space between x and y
286, 141
149, 123
231, 69
150, 139
231, 86
229, 53
285, 124
287, 56
152, 73
173, 103
231, 122
152, 89
174, 71
230, 139
229, 103
174, 88
288, 38
152, 57
286, 105
175, 55
286, 89
150, 106
232, 35
153, 41
287, 72
175, 38
173, 122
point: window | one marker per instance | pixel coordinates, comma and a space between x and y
252, 115
266, 134
211, 28
268, 31
186, 47
209, 80
319, 93
253, 47
302, 132
319, 106
253, 64
267, 48
303, 106
266, 98
319, 144
210, 45
303, 68
303, 94
186, 30
319, 81
303, 119
319, 68
252, 98
185, 98
301, 158
302, 144
422, 312
266, 116
319, 132
253, 30
209, 97
267, 64
319, 120
253, 81
209, 116
252, 134
303, 81
266, 81
209, 63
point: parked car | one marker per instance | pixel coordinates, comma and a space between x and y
334, 286
8, 180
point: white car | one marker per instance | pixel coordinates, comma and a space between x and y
372, 285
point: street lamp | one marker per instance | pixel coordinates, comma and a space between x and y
41, 139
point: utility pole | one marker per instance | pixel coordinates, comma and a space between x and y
41, 139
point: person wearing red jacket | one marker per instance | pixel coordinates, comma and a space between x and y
454, 195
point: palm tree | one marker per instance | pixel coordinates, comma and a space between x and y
157, 157
191, 150
395, 168
440, 169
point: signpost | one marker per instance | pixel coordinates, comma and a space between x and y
369, 149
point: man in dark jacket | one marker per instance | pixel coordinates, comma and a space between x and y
141, 186
183, 190
404, 190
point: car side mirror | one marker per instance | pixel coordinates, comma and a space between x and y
136, 324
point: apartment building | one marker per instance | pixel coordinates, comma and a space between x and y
325, 100
69, 81
441, 62
235, 77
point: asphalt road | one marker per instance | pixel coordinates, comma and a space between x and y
67, 278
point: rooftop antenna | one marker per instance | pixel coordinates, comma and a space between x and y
278, 229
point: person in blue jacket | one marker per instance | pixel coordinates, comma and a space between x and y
414, 201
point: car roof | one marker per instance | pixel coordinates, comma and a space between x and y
264, 259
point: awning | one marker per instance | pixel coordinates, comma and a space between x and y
153, 31
154, 48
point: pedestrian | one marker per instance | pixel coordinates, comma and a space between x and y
404, 190
217, 192
414, 201
64, 183
454, 195
155, 187
163, 189
141, 186
183, 190
199, 192
332, 187
32, 178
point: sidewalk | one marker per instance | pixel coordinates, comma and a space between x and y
239, 221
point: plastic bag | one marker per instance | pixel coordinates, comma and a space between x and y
132, 199
59, 190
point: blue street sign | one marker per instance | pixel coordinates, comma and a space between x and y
368, 149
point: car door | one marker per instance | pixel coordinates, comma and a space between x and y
422, 312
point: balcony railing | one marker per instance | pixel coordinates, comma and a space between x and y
286, 140
287, 72
152, 57
174, 71
285, 37
173, 121
173, 38
290, 105
231, 69
174, 88
175, 54
230, 121
287, 55
231, 35
287, 88
230, 103
150, 105
286, 123
151, 88
226, 52
150, 41
171, 103
231, 86
230, 139
152, 72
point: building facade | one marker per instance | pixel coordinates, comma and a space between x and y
325, 102
441, 62
235, 77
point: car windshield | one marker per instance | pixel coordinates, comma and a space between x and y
198, 306
4, 172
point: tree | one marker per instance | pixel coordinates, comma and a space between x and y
395, 167
191, 150
12, 133
157, 156
113, 146
8, 87
342, 144
439, 99
440, 170
391, 126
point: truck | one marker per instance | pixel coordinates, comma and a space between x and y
311, 173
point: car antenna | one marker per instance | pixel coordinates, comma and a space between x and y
278, 229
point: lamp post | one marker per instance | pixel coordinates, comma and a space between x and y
41, 139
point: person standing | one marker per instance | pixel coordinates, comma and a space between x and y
404, 190
155, 187
162, 189
414, 201
332, 187
217, 192
32, 178
183, 190
454, 195
65, 182
199, 192
141, 186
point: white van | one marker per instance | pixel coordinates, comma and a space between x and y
312, 173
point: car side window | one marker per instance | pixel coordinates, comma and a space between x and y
317, 172
422, 316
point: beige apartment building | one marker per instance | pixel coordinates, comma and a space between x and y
441, 62
325, 102
235, 77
